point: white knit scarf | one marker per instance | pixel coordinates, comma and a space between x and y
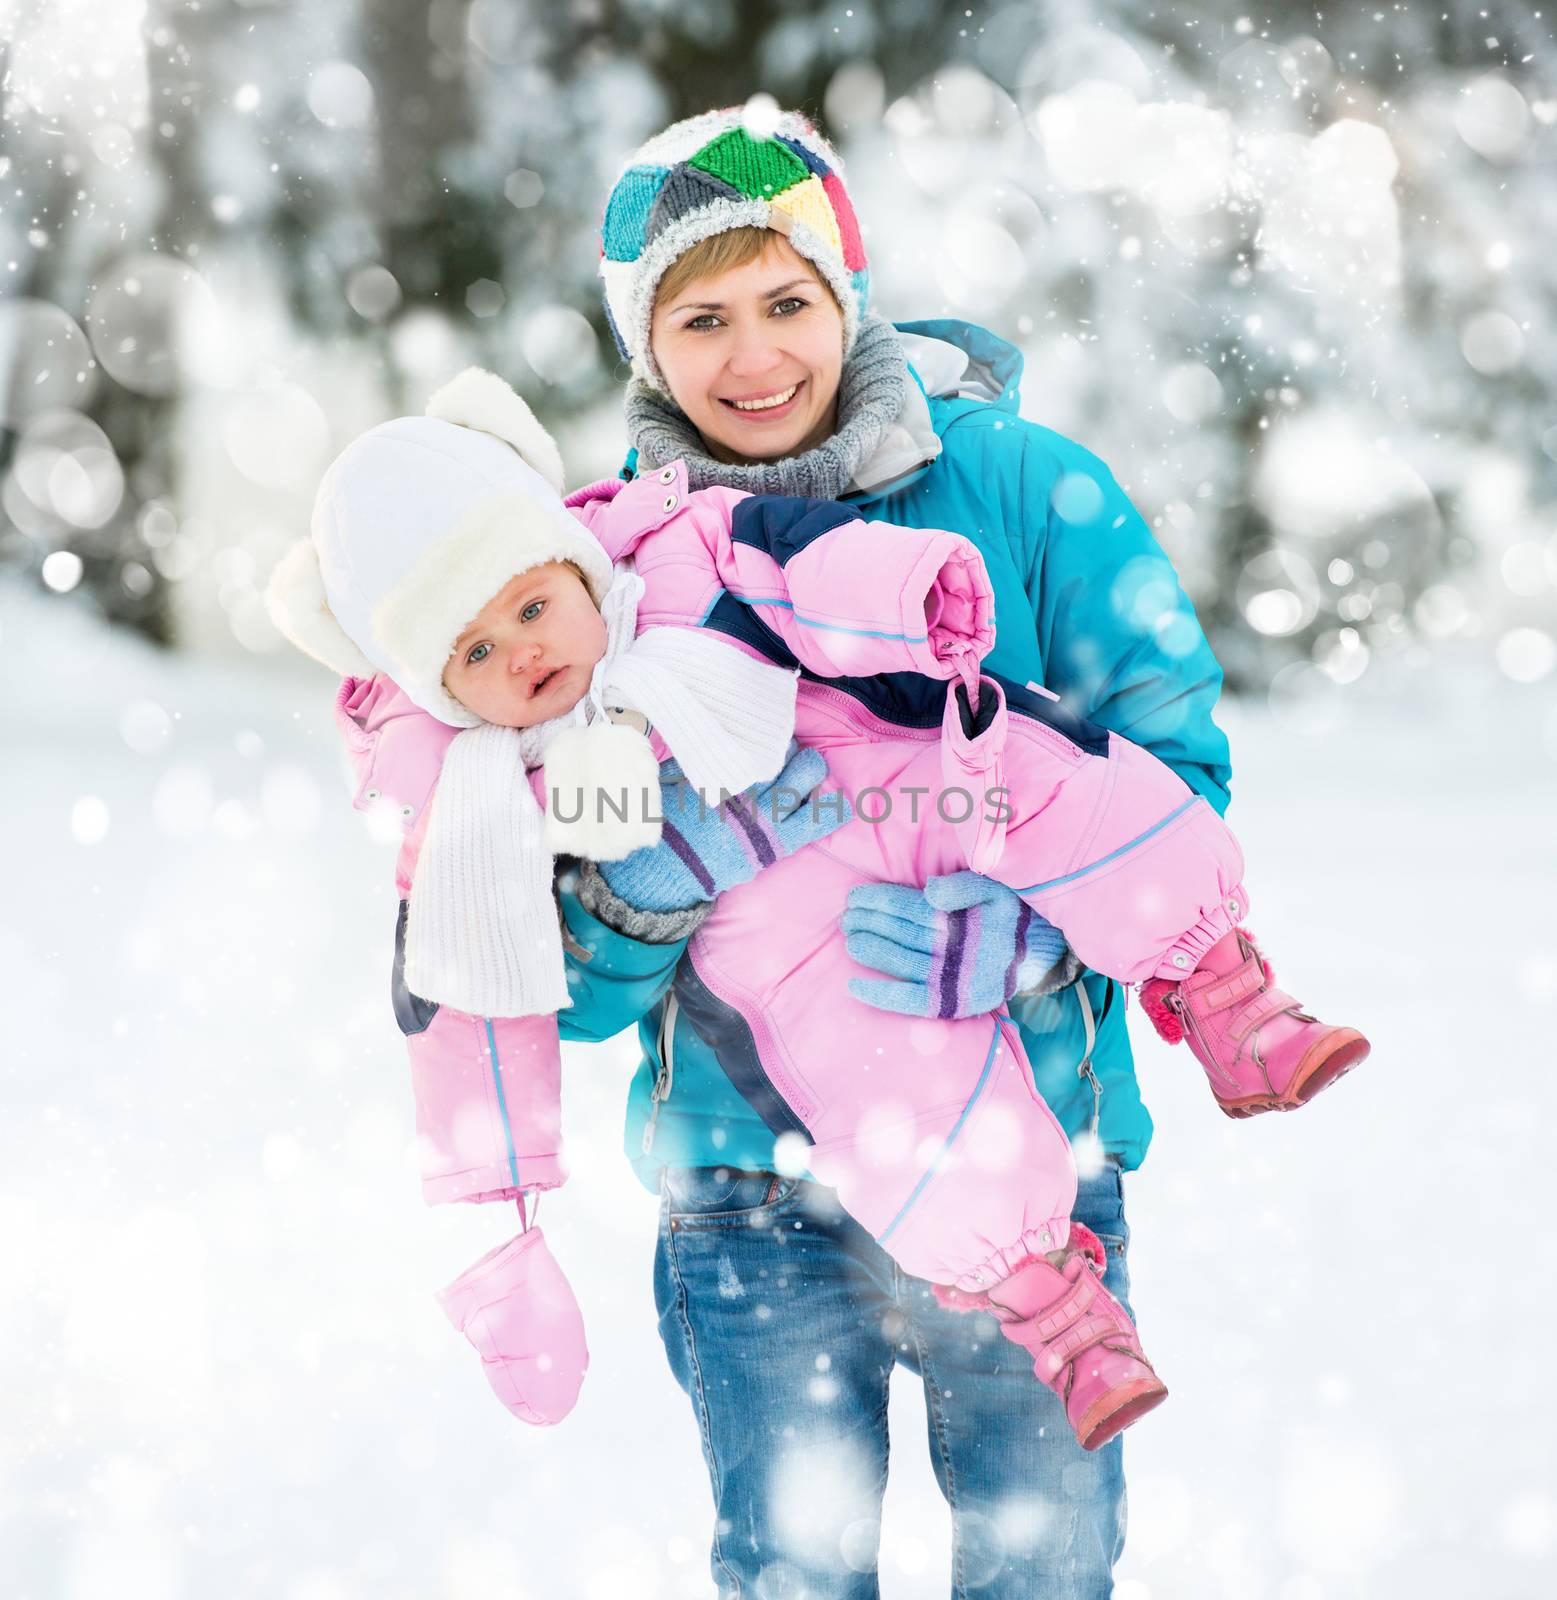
482, 933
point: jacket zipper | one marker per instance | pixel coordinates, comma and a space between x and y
1086, 1070
663, 1079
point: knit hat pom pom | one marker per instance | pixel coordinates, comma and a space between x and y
602, 792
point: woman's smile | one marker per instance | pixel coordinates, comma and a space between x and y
771, 407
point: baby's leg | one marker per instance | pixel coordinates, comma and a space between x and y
1146, 883
978, 1201
1103, 839
930, 1129
970, 1186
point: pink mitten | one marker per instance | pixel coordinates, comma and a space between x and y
517, 1309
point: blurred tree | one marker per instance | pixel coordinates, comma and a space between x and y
84, 459
1297, 308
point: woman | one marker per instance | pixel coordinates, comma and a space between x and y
736, 281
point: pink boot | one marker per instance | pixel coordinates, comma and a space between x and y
1083, 1343
518, 1311
1260, 1049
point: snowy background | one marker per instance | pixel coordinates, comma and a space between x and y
1292, 274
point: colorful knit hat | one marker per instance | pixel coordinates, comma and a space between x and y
708, 175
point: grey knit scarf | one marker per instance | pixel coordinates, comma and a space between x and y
870, 397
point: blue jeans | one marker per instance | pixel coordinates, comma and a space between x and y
783, 1319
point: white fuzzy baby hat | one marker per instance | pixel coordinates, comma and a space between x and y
416, 526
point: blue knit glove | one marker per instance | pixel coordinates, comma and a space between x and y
959, 947
705, 851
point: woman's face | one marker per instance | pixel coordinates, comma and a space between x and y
753, 356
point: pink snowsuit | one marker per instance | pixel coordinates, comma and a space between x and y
930, 1129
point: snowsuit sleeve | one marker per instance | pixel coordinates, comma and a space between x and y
396, 753
1121, 643
487, 1090
844, 598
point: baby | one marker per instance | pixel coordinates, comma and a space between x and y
640, 621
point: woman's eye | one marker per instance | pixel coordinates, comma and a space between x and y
701, 324
478, 654
532, 611
795, 304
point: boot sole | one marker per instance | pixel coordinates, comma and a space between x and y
1324, 1064
1118, 1409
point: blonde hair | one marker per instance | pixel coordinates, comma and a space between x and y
722, 253
578, 572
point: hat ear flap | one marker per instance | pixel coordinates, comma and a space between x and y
480, 399
298, 606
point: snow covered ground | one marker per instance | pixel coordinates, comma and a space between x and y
221, 1367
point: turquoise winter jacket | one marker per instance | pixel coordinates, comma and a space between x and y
1087, 605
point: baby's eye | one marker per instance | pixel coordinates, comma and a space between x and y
532, 611
478, 654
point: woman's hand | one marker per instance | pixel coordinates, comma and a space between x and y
959, 947
705, 851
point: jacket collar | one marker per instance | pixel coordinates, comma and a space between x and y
960, 360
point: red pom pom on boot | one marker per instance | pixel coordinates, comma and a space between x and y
1259, 1048
1083, 1344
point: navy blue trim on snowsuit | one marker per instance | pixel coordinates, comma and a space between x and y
784, 525
727, 1033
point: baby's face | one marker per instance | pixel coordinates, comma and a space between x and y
529, 653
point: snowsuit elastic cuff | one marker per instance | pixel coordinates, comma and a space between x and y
648, 927
1185, 954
